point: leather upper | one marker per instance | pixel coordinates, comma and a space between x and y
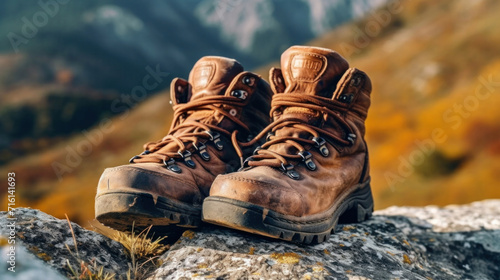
315, 91
220, 98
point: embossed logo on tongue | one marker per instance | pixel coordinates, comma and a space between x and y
202, 75
307, 67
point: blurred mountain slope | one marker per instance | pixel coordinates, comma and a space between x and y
434, 67
107, 42
85, 54
433, 128
62, 178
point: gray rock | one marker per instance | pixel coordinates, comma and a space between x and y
475, 216
46, 237
455, 242
27, 266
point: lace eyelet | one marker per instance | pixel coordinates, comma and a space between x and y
245, 163
351, 137
241, 94
202, 150
170, 164
186, 156
320, 143
288, 169
269, 135
249, 81
233, 112
307, 159
215, 137
355, 81
346, 98
131, 160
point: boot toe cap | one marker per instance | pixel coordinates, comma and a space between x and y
265, 191
149, 178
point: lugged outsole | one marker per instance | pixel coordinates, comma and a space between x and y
125, 211
357, 206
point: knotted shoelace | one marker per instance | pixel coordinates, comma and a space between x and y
189, 133
193, 131
265, 157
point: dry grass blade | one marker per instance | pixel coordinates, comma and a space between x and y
85, 270
142, 249
72, 234
140, 245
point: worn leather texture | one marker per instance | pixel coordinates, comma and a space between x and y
314, 91
211, 100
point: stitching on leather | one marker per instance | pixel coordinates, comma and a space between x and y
322, 57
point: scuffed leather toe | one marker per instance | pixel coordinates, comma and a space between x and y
149, 178
255, 188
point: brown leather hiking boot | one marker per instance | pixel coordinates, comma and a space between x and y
313, 170
220, 107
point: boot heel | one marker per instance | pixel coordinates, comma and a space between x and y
359, 207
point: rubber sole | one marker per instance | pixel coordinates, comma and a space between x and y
355, 206
125, 211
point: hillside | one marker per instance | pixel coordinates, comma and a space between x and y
107, 44
111, 143
432, 129
61, 59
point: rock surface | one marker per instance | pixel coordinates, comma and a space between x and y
27, 266
46, 237
454, 242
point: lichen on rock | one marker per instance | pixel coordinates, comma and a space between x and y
454, 242
397, 243
48, 239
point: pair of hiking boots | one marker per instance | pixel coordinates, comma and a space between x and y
286, 160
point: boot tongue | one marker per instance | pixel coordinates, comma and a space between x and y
211, 75
308, 71
311, 71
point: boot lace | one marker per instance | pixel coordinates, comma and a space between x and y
188, 134
319, 136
